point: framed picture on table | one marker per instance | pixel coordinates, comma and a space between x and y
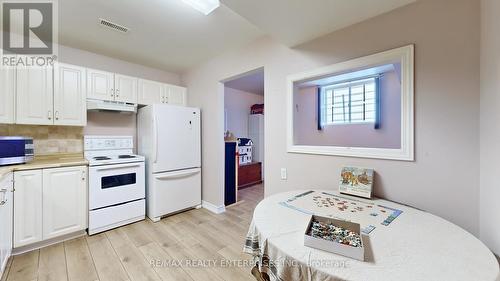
356, 181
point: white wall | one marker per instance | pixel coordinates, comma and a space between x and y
443, 180
490, 125
111, 124
237, 104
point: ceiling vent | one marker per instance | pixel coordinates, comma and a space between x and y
113, 26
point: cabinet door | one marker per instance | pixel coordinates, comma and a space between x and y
6, 212
100, 85
150, 92
35, 96
7, 94
70, 105
176, 95
126, 88
27, 207
64, 201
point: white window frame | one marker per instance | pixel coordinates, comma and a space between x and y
404, 56
353, 83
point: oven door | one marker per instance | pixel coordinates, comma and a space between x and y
116, 184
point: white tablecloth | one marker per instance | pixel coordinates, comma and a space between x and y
415, 246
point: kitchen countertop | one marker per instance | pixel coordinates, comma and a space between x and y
47, 161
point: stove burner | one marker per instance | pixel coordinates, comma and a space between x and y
102, 158
125, 156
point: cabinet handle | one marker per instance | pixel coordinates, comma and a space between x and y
83, 175
4, 200
112, 93
166, 99
49, 114
117, 93
57, 115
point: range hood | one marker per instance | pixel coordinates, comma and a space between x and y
103, 105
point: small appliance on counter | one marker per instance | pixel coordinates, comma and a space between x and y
16, 150
117, 187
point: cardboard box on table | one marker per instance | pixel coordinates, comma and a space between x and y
357, 253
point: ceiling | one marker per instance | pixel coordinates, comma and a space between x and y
251, 83
170, 35
165, 34
297, 21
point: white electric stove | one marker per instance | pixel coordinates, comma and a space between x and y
117, 186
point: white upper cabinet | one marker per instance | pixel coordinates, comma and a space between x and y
125, 88
35, 96
100, 85
70, 95
58, 95
48, 96
151, 92
176, 95
7, 95
64, 201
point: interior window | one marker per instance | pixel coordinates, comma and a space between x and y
349, 102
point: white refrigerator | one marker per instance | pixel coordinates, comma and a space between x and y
169, 136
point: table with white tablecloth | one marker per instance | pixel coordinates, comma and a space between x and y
415, 246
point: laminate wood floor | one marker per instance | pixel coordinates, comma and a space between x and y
194, 245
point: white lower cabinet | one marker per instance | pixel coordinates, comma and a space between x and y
64, 201
6, 203
27, 207
49, 203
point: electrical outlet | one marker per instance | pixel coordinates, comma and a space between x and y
283, 174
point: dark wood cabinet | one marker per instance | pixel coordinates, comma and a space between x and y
249, 174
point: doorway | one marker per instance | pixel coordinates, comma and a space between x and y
244, 135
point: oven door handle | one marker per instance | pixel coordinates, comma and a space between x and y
176, 175
113, 167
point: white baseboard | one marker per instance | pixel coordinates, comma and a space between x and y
213, 208
3, 267
49, 242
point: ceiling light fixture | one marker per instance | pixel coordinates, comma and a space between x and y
204, 6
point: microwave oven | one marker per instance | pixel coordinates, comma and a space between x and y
16, 150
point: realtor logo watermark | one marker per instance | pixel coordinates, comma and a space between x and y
29, 33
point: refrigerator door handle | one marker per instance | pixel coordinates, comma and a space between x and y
155, 140
178, 174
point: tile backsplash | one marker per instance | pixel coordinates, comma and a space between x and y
48, 139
